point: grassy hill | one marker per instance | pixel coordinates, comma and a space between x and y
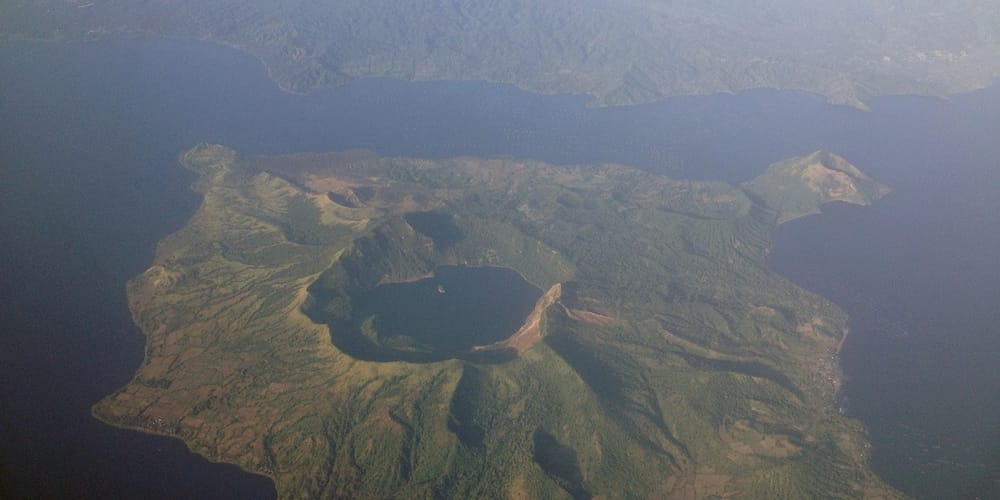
797, 187
664, 360
619, 51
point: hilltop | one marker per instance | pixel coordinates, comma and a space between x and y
663, 360
796, 187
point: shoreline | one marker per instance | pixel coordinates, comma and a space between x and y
592, 100
207, 458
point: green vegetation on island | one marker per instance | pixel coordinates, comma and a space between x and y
663, 360
619, 51
798, 186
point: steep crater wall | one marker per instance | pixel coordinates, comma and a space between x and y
422, 288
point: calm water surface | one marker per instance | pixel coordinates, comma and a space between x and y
89, 135
449, 313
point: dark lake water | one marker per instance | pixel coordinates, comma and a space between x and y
89, 136
447, 314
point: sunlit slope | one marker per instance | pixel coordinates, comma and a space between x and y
620, 51
664, 360
798, 186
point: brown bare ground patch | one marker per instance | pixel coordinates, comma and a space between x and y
157, 367
387, 280
189, 354
810, 329
191, 424
384, 419
228, 367
591, 317
161, 277
332, 213
776, 445
517, 489
737, 449
531, 331
702, 484
831, 184
761, 444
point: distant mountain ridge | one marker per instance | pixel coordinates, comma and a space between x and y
618, 51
